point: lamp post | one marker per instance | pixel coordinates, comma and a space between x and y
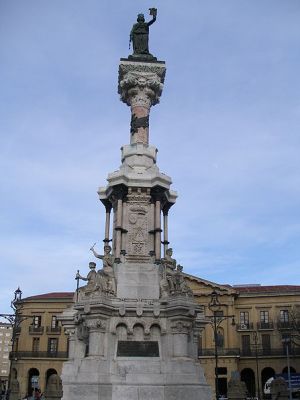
286, 341
255, 337
215, 321
14, 321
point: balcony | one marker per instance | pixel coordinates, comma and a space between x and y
53, 330
245, 327
268, 352
36, 330
221, 352
37, 354
283, 325
265, 325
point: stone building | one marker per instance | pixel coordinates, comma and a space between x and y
5, 347
40, 346
253, 345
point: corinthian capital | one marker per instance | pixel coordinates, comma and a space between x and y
141, 83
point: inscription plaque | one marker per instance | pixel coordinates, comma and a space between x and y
137, 349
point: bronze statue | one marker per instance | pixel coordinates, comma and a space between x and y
139, 35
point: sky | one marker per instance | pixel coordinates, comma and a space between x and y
227, 131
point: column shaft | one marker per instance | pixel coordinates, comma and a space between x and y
107, 225
157, 231
119, 228
166, 242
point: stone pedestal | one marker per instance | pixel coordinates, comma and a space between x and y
109, 371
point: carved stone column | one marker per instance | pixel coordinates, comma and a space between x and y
180, 332
96, 338
140, 86
157, 230
107, 223
165, 242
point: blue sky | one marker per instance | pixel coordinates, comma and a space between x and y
227, 130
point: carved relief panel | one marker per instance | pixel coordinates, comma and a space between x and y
138, 214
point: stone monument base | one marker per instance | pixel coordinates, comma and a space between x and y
139, 379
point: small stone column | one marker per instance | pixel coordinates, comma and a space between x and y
140, 87
96, 337
157, 230
107, 223
118, 228
165, 242
180, 332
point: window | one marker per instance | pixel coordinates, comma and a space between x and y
246, 349
35, 344
284, 315
37, 319
7, 334
52, 345
266, 343
264, 320
54, 322
220, 338
264, 317
244, 319
3, 371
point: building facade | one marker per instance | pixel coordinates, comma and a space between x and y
40, 346
255, 345
5, 348
260, 340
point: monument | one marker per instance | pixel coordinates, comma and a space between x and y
134, 327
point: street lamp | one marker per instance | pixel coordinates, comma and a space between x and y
287, 341
14, 321
255, 337
215, 321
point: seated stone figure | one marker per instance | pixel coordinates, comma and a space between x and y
173, 281
91, 280
105, 277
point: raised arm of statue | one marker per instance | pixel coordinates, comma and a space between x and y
153, 12
95, 253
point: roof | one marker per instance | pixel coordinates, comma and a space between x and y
268, 289
52, 295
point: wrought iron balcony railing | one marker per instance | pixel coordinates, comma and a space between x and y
284, 325
262, 352
37, 354
36, 330
265, 325
250, 352
245, 327
53, 330
221, 352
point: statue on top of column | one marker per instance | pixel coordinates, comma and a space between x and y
139, 36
